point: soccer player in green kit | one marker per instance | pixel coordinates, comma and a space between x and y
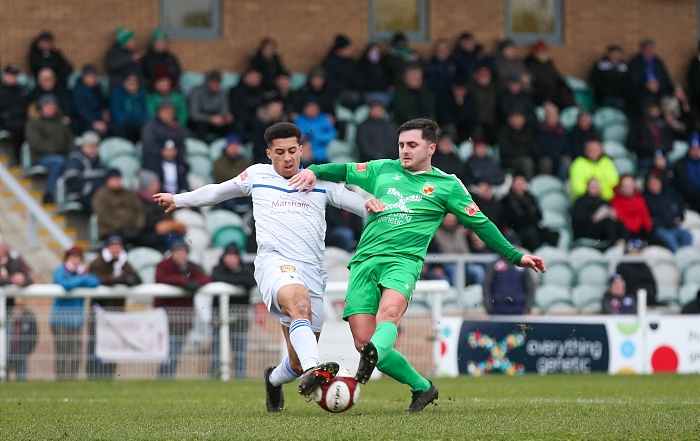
394, 242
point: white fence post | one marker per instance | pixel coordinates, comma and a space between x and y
3, 336
643, 326
224, 327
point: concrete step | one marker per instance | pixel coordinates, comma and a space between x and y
70, 232
17, 172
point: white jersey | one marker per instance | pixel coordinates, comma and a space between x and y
287, 222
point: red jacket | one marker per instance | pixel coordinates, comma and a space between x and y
632, 212
167, 272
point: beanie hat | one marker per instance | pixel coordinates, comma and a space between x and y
158, 34
232, 248
113, 172
123, 35
540, 46
48, 98
74, 251
341, 41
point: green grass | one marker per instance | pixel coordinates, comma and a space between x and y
556, 407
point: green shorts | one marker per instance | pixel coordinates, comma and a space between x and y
368, 277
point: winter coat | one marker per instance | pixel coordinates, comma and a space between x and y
610, 80
68, 312
320, 131
507, 67
83, 175
244, 102
665, 209
89, 103
467, 62
638, 67
450, 164
492, 209
243, 277
128, 108
439, 75
687, 173
373, 76
553, 142
182, 113
451, 241
226, 168
119, 65
512, 143
413, 103
521, 102
115, 210
582, 213
521, 211
156, 64
646, 136
54, 59
583, 170
105, 267
341, 73
486, 98
545, 78
153, 136
269, 69
11, 264
485, 169
205, 103
14, 102
462, 114
189, 278
324, 97
632, 212
377, 139
508, 289
638, 276
64, 99
182, 170
578, 138
48, 136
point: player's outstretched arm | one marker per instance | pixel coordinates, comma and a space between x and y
533, 262
165, 200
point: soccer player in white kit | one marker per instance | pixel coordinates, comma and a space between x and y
290, 228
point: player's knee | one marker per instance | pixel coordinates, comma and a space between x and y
389, 314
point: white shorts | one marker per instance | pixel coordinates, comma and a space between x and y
272, 272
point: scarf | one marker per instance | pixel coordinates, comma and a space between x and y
117, 264
80, 269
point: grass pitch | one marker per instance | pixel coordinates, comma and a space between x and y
553, 407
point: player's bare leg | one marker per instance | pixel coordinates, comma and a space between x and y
363, 327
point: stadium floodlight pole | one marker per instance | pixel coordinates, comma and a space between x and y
643, 325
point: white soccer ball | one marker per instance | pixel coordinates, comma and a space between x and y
340, 394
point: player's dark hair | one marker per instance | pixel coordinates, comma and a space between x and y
282, 130
430, 131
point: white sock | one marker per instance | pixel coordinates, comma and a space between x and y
283, 373
304, 343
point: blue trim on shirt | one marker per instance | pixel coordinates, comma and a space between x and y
286, 190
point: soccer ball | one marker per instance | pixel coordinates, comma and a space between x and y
340, 394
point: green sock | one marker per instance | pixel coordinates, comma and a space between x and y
384, 339
397, 367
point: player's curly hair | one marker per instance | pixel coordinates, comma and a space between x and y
282, 130
430, 131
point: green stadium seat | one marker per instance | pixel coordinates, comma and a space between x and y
624, 166
607, 116
593, 274
215, 220
229, 80
568, 117
361, 114
128, 165
585, 99
190, 218
26, 160
688, 293
547, 295
196, 147
142, 257
338, 148
112, 147
579, 257
680, 148
585, 294
198, 239
561, 308
190, 80
554, 201
228, 235
200, 166
539, 112
73, 79
558, 274
616, 132
540, 185
216, 148
686, 256
615, 149
63, 206
554, 220
576, 83
298, 80
551, 254
667, 294
473, 298
343, 114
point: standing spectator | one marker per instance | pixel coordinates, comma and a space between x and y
445, 159
23, 335
547, 83
43, 53
229, 165
374, 79
163, 90
232, 270
112, 268
13, 269
678, 114
610, 79
318, 127
178, 270
14, 102
617, 300
554, 143
413, 99
160, 230
692, 307
159, 62
317, 87
451, 238
649, 134
377, 137
522, 214
244, 100
508, 289
128, 108
631, 209
509, 65
91, 108
687, 173
209, 108
342, 73
594, 218
482, 168
666, 211
157, 131
518, 147
172, 170
638, 275
468, 55
440, 73
123, 58
83, 171
268, 62
694, 81
50, 142
486, 97
515, 98
399, 58
646, 65
268, 114
581, 133
46, 83
67, 313
593, 165
461, 118
119, 211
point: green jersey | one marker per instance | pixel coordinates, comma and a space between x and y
416, 204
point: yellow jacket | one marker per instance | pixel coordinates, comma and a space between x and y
583, 170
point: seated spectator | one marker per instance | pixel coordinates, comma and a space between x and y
649, 134
593, 165
67, 313
13, 269
229, 165
14, 102
482, 168
232, 270
439, 74
678, 114
128, 109
509, 65
650, 93
508, 289
172, 170
581, 133
43, 53
592, 217
163, 90
123, 58
666, 211
554, 143
522, 214
468, 55
451, 238
91, 108
50, 142
119, 211
342, 73
160, 230
46, 83
342, 228
692, 307
159, 62
610, 79
515, 98
413, 99
660, 167
461, 117
377, 136
283, 92
112, 268
518, 148
268, 62
374, 79
268, 114
617, 300
244, 101
687, 174
317, 87
447, 160
638, 275
486, 201
178, 270
399, 57
631, 209
548, 84
83, 171
209, 108
646, 66
486, 96
154, 134
318, 127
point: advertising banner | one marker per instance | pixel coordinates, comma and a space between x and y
673, 345
132, 336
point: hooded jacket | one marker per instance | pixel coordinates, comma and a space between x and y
48, 136
83, 175
632, 212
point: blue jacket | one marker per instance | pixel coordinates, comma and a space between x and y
129, 108
508, 289
320, 131
88, 105
68, 312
